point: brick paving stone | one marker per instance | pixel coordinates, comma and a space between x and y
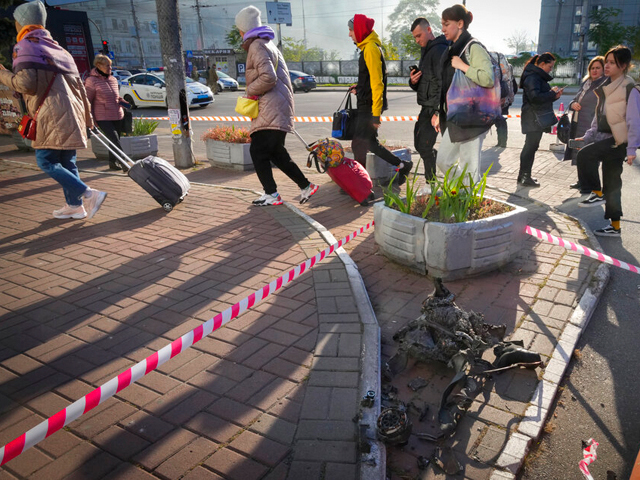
130, 472
212, 427
233, 466
275, 428
260, 448
120, 442
62, 467
29, 461
186, 458
160, 450
315, 450
146, 426
306, 470
93, 425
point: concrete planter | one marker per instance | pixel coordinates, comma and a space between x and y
382, 172
449, 250
229, 155
135, 147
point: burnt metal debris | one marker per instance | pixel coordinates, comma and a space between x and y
394, 426
447, 334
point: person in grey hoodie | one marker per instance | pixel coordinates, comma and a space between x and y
425, 80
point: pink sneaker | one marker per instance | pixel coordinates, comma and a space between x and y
305, 193
94, 202
70, 212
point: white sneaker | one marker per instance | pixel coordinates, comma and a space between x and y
70, 212
305, 193
260, 200
94, 202
269, 199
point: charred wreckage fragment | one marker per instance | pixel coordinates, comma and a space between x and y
447, 334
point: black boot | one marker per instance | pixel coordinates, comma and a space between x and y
526, 181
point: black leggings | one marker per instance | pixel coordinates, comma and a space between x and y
365, 139
267, 146
612, 158
528, 154
111, 129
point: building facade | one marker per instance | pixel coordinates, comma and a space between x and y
113, 21
562, 24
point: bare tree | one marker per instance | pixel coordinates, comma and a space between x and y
518, 40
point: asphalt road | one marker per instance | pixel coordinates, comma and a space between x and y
600, 394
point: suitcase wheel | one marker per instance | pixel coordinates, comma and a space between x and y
167, 206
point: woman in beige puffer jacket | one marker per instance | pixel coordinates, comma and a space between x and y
268, 81
47, 78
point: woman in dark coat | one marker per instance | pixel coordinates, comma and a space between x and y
584, 107
537, 99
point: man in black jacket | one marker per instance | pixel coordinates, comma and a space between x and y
426, 81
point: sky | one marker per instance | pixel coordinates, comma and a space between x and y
494, 20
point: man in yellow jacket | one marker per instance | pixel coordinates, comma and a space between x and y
371, 92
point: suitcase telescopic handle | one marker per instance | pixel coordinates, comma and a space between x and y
120, 155
308, 146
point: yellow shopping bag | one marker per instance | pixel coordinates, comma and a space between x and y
247, 107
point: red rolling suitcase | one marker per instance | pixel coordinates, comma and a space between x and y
350, 176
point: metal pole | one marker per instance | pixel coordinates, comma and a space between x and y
137, 27
304, 26
202, 46
584, 20
279, 34
174, 75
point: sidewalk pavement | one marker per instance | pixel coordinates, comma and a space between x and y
273, 394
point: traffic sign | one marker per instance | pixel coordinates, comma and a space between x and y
279, 12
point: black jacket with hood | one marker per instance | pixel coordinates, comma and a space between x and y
428, 86
537, 97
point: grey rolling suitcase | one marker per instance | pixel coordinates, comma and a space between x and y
165, 183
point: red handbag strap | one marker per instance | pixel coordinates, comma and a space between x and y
46, 92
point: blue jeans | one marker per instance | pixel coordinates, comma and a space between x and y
61, 166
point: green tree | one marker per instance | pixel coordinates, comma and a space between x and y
390, 51
294, 51
400, 24
606, 32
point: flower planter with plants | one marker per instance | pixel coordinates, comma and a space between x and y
228, 147
139, 144
451, 233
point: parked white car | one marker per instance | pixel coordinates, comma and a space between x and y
148, 90
225, 82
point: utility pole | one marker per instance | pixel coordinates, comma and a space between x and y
279, 34
136, 25
584, 24
197, 6
174, 75
304, 26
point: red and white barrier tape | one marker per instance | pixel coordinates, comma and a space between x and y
590, 454
580, 249
406, 118
140, 369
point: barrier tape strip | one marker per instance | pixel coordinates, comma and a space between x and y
408, 118
139, 370
580, 249
590, 454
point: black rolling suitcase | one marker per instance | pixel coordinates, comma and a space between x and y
165, 183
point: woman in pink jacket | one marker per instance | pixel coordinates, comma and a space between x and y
106, 104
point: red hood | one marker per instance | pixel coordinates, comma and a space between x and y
362, 26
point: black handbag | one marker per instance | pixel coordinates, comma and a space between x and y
344, 120
126, 125
564, 128
546, 120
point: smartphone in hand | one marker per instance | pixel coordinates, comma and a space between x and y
413, 68
573, 143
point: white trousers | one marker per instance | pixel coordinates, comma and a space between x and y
460, 153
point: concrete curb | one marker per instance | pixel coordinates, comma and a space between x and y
530, 427
373, 465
